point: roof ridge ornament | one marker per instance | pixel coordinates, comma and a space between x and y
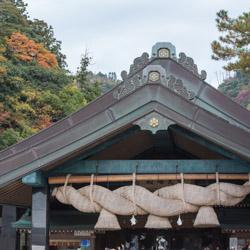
174, 83
188, 63
163, 50
156, 73
167, 50
139, 63
128, 86
178, 86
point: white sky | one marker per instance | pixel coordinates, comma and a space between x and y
117, 31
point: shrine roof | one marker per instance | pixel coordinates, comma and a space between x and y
157, 92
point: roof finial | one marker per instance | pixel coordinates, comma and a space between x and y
164, 50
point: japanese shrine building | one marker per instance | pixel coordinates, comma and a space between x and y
161, 121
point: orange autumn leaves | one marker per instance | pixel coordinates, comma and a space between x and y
27, 50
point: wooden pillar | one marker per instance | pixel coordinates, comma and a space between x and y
8, 239
92, 242
40, 218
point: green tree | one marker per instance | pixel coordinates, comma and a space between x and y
72, 99
233, 45
41, 32
69, 99
11, 19
90, 90
8, 137
20, 5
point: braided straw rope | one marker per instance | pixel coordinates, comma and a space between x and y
164, 202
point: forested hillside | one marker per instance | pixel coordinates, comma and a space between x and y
36, 90
237, 88
107, 82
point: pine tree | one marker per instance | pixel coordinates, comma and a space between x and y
233, 46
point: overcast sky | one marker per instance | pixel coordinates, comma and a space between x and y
116, 32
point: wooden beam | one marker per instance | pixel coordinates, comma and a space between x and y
35, 179
105, 167
154, 177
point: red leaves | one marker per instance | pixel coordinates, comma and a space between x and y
5, 117
27, 50
243, 96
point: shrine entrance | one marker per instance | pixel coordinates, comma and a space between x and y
171, 239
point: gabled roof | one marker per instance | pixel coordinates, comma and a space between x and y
160, 86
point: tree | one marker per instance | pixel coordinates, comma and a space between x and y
90, 90
69, 99
27, 50
237, 88
20, 5
4, 116
11, 19
2, 59
35, 90
106, 83
72, 99
43, 33
14, 18
233, 46
8, 137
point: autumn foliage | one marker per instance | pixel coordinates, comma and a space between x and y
27, 51
243, 97
4, 115
36, 89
